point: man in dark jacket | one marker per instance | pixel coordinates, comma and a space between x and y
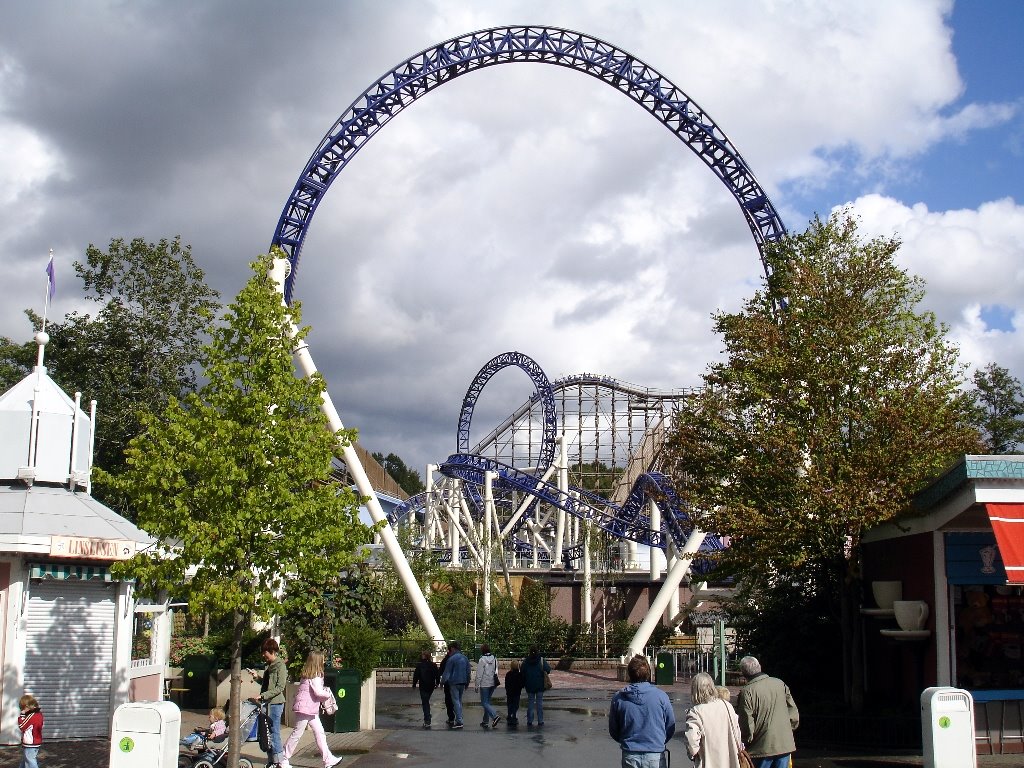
768, 716
449, 702
427, 676
641, 718
456, 674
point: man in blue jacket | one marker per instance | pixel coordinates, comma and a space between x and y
641, 718
456, 675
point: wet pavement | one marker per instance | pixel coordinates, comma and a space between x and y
574, 734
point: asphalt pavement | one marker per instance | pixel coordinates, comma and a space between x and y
574, 734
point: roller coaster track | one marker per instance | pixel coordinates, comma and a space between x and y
439, 64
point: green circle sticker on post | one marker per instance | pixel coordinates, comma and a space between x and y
190, 673
943, 722
341, 693
126, 744
661, 665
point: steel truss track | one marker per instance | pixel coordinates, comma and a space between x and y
420, 74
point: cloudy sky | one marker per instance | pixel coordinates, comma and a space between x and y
522, 207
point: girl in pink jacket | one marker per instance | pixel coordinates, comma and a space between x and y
310, 695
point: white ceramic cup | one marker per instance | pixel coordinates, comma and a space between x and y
886, 593
910, 614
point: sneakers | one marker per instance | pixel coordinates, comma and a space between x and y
426, 726
457, 726
495, 721
333, 761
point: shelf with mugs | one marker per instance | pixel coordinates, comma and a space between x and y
906, 634
878, 613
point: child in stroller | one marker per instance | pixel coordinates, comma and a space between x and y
208, 747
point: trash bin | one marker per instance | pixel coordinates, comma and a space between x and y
665, 669
195, 673
346, 684
947, 728
145, 733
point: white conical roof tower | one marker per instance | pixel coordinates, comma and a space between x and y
46, 442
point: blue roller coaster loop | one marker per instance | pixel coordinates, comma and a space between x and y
544, 391
421, 73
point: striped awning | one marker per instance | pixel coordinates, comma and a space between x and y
1008, 525
64, 571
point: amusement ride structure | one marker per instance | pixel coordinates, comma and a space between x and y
511, 491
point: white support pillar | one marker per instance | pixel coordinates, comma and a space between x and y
588, 585
429, 515
562, 460
672, 581
304, 361
673, 600
657, 560
488, 516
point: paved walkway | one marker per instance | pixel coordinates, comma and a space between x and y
575, 734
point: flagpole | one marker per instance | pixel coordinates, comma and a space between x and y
49, 288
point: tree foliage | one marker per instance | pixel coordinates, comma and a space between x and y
999, 408
140, 348
233, 480
837, 399
408, 479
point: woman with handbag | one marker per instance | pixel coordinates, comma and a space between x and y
534, 670
712, 733
308, 699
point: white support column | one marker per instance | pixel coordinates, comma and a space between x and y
428, 511
657, 562
588, 585
305, 363
672, 581
488, 516
563, 486
673, 601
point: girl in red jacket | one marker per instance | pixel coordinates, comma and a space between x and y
30, 721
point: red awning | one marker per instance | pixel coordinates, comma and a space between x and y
1008, 525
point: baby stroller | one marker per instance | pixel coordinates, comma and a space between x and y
208, 753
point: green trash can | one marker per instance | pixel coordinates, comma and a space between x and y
346, 685
195, 673
665, 669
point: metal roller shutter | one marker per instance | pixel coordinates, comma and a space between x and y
69, 655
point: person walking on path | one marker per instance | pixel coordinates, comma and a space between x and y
30, 723
427, 676
449, 703
456, 674
513, 692
768, 716
306, 707
712, 729
534, 668
641, 719
486, 682
275, 680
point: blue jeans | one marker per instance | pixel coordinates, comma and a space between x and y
642, 759
534, 702
778, 761
425, 701
457, 690
485, 702
29, 757
189, 740
275, 755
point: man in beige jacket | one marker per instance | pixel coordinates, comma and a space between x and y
768, 716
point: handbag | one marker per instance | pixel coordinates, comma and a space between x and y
496, 682
263, 729
744, 757
329, 705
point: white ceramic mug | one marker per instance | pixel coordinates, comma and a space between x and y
886, 593
910, 614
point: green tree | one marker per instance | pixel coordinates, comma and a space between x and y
233, 481
140, 348
999, 408
408, 479
837, 399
